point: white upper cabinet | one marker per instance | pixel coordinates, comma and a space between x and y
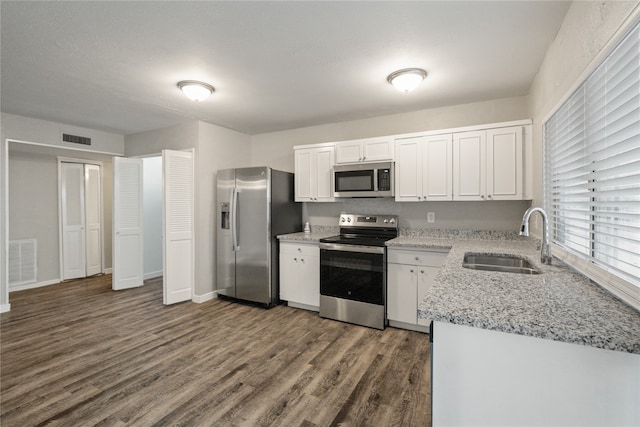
313, 174
482, 162
489, 164
505, 163
423, 168
469, 165
364, 150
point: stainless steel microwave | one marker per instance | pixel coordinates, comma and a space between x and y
363, 180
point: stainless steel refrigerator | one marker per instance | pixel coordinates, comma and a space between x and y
255, 205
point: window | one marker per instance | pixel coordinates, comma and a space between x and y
592, 173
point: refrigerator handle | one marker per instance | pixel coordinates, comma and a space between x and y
234, 219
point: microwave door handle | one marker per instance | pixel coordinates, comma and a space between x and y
375, 180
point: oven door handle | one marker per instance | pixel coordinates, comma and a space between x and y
352, 248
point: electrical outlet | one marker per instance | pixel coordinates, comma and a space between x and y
431, 217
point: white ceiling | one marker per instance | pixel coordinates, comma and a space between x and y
114, 65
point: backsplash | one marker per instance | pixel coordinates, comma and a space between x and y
462, 217
462, 234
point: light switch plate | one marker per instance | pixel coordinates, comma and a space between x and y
431, 217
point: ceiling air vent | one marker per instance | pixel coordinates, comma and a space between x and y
66, 137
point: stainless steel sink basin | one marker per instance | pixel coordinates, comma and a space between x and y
503, 263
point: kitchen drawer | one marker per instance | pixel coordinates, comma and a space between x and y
429, 258
305, 249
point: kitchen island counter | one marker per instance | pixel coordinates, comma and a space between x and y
558, 304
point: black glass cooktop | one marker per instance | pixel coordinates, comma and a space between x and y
358, 240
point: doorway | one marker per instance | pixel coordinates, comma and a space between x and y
80, 202
177, 232
152, 216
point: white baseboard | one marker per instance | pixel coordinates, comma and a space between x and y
409, 326
108, 271
206, 297
152, 275
5, 308
34, 285
303, 306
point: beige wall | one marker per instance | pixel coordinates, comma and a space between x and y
179, 137
219, 148
33, 207
50, 133
275, 149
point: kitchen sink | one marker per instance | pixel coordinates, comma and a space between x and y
503, 263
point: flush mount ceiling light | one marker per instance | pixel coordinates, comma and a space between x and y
407, 79
195, 90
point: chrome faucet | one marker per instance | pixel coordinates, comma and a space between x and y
545, 250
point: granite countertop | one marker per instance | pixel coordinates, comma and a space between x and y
558, 304
317, 233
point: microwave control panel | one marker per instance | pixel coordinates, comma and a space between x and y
384, 179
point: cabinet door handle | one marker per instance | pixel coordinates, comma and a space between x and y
417, 258
295, 259
411, 271
421, 271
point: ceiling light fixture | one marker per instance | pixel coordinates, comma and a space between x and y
195, 90
407, 79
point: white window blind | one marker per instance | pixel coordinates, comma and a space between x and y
592, 172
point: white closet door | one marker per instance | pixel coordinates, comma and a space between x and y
178, 225
93, 208
73, 233
127, 223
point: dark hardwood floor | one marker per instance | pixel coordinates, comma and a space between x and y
79, 353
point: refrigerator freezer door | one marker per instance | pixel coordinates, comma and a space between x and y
226, 256
253, 279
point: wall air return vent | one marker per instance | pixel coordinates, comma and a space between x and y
23, 262
75, 139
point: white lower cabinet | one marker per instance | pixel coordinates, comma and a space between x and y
410, 274
300, 274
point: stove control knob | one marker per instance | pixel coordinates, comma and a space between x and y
392, 221
342, 219
385, 221
348, 219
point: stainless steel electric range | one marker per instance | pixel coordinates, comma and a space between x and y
353, 270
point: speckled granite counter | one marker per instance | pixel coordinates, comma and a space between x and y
317, 233
558, 304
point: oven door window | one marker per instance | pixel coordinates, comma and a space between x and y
352, 275
359, 180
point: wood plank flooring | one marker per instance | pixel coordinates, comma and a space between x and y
79, 353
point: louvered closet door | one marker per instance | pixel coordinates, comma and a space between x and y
127, 223
93, 208
178, 219
72, 210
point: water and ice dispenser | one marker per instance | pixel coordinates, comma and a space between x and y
225, 222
